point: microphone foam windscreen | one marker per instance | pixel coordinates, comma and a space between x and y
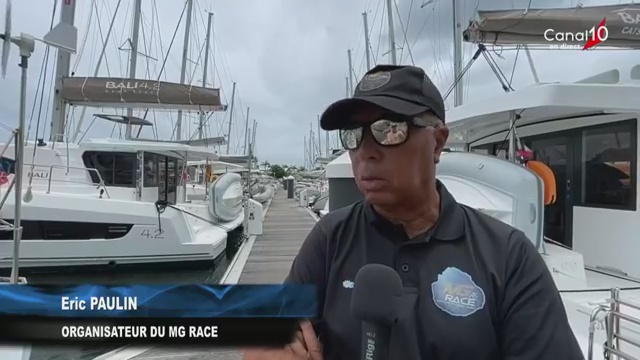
376, 294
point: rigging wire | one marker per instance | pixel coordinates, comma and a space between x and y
147, 46
374, 54
380, 32
208, 37
156, 22
404, 31
238, 98
85, 38
120, 39
40, 88
105, 43
164, 61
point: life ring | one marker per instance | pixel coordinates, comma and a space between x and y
548, 179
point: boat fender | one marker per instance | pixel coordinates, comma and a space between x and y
226, 192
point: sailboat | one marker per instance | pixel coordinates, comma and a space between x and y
107, 203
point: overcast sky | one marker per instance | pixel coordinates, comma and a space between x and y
287, 57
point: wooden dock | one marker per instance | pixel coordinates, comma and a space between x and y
267, 261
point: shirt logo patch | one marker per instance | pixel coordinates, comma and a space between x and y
456, 293
348, 284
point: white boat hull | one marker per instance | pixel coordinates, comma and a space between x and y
173, 236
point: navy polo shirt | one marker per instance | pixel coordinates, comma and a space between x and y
475, 288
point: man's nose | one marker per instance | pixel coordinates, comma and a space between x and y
369, 149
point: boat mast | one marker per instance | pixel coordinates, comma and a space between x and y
326, 149
319, 139
392, 36
312, 146
233, 98
133, 59
246, 132
306, 155
457, 55
183, 70
253, 136
350, 71
97, 69
63, 65
251, 149
204, 72
366, 40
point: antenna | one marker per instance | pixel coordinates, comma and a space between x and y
6, 39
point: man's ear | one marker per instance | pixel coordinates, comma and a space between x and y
441, 135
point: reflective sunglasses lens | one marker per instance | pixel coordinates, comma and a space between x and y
351, 138
389, 133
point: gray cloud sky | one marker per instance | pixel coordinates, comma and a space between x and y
287, 57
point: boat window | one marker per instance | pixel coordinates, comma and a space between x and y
171, 180
150, 170
162, 178
608, 167
68, 230
116, 169
483, 149
101, 161
124, 169
180, 171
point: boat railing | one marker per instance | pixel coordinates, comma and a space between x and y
611, 315
50, 179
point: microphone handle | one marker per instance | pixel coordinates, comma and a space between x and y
375, 341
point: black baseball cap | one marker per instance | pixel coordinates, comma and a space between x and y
404, 90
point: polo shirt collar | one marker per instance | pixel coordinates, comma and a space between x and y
449, 226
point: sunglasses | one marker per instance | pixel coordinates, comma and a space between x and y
387, 131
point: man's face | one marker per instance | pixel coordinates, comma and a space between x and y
389, 176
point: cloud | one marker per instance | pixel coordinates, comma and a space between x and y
288, 59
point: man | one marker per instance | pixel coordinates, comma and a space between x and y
475, 288
393, 136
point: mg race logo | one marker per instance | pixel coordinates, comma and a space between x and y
566, 40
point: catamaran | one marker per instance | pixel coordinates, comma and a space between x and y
109, 203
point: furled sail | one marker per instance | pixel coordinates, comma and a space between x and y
510, 27
211, 141
235, 159
138, 93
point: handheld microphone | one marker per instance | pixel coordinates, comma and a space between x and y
375, 301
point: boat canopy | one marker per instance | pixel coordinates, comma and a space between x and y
170, 149
237, 159
475, 121
216, 163
528, 27
139, 93
211, 141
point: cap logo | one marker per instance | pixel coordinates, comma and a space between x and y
374, 81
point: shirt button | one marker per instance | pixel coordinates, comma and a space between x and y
405, 268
